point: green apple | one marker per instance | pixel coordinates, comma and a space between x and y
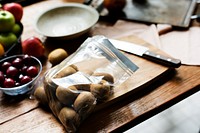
7, 21
16, 29
7, 39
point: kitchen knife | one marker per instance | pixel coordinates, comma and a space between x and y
145, 53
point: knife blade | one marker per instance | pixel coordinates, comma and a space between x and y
145, 53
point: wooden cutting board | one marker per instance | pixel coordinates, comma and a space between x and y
148, 73
16, 112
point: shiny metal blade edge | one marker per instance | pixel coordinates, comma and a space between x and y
129, 47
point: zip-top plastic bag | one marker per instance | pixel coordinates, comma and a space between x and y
88, 76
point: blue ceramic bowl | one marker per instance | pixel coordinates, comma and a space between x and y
22, 89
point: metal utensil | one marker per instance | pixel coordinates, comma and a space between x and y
145, 53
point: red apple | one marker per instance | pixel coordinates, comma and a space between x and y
16, 9
33, 46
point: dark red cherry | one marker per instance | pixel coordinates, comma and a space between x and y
32, 71
5, 66
12, 71
27, 60
25, 79
9, 83
23, 70
17, 62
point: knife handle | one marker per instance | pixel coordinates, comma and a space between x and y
167, 61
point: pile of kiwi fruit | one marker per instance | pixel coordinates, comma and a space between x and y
72, 104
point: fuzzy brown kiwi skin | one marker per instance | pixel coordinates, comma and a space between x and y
106, 76
56, 56
69, 118
100, 91
66, 72
67, 95
40, 95
54, 104
84, 104
83, 87
74, 66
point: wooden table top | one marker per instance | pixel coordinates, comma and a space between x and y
22, 114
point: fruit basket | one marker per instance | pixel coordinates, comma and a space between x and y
16, 48
11, 29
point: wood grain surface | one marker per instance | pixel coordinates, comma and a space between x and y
152, 89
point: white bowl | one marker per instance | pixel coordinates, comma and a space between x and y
66, 21
22, 89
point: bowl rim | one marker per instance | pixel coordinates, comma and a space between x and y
69, 4
24, 85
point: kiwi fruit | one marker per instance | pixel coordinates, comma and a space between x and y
69, 118
40, 95
56, 56
67, 95
84, 103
